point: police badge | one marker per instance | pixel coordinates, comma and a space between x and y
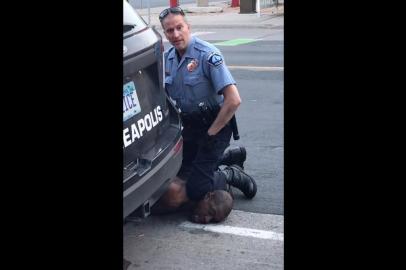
192, 65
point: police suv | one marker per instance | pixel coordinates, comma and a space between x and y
152, 142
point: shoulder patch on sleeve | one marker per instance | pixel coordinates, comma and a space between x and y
215, 59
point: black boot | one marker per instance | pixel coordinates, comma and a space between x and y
234, 156
236, 177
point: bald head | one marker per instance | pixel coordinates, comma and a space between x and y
214, 207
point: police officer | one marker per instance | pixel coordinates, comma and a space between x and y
202, 87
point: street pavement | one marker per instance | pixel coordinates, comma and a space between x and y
243, 241
229, 17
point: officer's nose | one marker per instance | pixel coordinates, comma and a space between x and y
176, 33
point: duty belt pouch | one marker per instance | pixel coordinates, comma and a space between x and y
193, 120
202, 111
208, 113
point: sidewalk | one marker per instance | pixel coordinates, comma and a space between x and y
224, 17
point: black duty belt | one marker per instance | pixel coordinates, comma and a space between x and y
194, 121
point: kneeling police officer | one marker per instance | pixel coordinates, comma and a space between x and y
201, 86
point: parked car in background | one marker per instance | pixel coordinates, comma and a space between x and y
152, 142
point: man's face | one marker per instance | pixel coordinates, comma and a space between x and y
203, 212
177, 31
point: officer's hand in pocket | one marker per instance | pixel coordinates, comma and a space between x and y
210, 141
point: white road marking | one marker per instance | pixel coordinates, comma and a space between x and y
257, 68
202, 33
235, 230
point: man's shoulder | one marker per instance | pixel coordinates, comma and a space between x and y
205, 46
169, 51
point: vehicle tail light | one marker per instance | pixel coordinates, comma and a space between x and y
178, 146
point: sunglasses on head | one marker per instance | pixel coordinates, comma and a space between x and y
175, 10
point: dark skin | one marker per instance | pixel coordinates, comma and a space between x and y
214, 207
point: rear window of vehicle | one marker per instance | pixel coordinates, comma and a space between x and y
132, 22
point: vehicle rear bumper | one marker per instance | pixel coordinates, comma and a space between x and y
153, 184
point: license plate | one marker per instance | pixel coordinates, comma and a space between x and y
131, 104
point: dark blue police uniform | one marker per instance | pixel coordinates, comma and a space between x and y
199, 76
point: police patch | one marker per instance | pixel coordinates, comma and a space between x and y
215, 59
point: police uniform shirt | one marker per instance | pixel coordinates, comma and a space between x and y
200, 73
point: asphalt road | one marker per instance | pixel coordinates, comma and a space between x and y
260, 120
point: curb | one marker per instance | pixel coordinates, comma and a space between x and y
203, 9
224, 17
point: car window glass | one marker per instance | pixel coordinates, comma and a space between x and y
131, 20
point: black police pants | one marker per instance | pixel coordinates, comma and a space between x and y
201, 160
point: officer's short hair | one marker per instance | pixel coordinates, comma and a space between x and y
172, 10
